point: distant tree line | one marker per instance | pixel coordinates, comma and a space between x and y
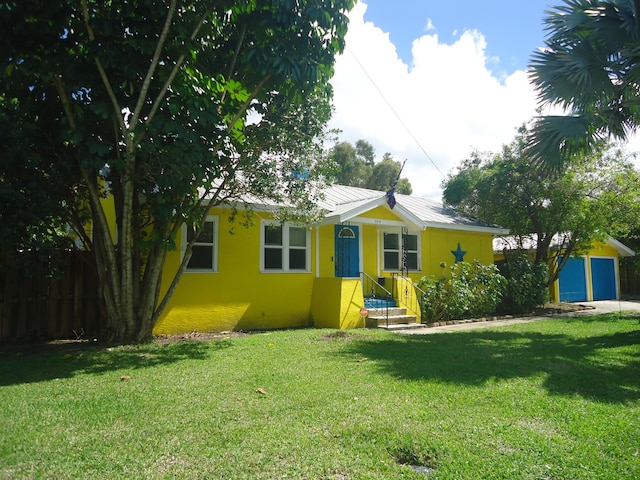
356, 167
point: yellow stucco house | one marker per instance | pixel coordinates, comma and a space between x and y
589, 277
273, 275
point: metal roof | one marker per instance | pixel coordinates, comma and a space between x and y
344, 203
528, 242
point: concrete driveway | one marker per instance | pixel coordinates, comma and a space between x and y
600, 307
608, 306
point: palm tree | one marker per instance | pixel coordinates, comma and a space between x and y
590, 68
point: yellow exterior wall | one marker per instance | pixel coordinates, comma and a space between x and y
370, 249
344, 313
603, 250
382, 213
327, 251
238, 296
437, 244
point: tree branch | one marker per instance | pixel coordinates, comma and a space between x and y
66, 102
154, 63
236, 53
161, 95
101, 70
100, 220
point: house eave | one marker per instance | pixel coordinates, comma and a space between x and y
621, 248
468, 228
618, 246
354, 212
351, 215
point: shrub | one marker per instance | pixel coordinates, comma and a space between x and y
470, 290
526, 285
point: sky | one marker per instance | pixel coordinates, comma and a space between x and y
431, 81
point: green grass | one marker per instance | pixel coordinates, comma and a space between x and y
555, 399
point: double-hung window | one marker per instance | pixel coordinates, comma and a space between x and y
400, 251
285, 248
204, 253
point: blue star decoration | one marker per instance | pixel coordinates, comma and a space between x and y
459, 254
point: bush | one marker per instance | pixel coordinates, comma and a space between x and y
526, 285
471, 290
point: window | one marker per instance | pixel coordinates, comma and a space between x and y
285, 248
204, 253
392, 252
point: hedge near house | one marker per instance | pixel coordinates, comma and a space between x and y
526, 285
465, 290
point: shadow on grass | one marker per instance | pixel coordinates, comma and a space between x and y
42, 363
605, 367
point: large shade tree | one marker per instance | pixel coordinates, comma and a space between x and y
563, 212
590, 68
162, 108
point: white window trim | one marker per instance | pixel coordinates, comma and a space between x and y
285, 247
418, 246
216, 223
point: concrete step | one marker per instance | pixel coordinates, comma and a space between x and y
374, 321
382, 312
402, 327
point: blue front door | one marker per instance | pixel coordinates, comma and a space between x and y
603, 277
573, 281
347, 257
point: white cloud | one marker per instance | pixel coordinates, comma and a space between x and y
430, 26
449, 99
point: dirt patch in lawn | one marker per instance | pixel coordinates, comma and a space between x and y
339, 335
196, 337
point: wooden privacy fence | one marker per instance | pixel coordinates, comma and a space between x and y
630, 279
34, 308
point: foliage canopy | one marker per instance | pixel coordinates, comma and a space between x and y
562, 211
356, 167
590, 68
159, 109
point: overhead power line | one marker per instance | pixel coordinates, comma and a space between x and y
404, 125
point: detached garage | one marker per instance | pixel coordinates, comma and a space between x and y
594, 276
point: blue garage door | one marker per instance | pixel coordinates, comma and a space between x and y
603, 278
573, 282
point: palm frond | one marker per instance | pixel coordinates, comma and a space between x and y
590, 68
553, 140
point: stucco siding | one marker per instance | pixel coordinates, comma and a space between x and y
336, 303
437, 245
238, 296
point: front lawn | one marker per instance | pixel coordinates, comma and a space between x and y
554, 399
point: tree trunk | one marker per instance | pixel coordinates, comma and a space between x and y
125, 240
